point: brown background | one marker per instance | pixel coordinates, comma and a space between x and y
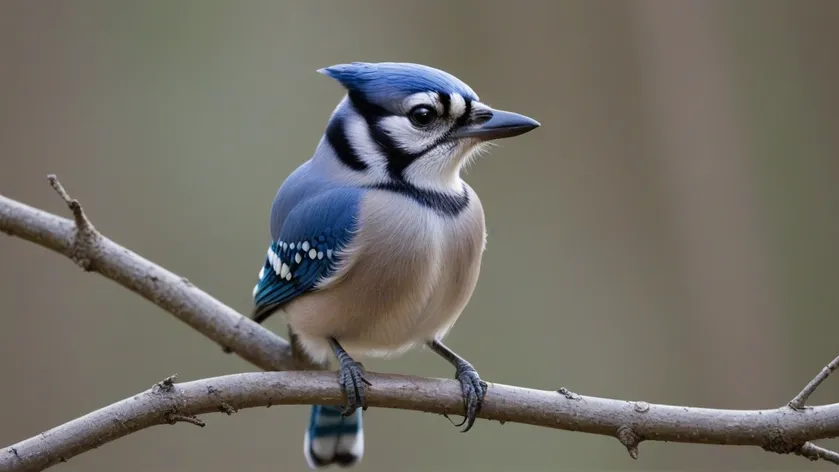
669, 234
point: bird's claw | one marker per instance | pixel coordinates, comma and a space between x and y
474, 390
354, 384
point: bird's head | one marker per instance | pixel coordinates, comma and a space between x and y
411, 123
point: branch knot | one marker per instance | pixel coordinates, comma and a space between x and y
84, 250
227, 409
630, 439
568, 394
165, 385
173, 418
778, 442
641, 406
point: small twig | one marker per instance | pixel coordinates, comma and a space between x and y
173, 418
78, 212
798, 403
814, 453
86, 235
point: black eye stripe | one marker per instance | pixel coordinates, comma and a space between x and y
336, 135
398, 159
367, 109
463, 119
446, 101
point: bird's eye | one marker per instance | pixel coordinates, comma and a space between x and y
422, 115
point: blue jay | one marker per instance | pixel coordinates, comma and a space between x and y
376, 242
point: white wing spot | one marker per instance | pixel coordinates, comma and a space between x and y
275, 262
305, 245
291, 245
262, 272
320, 254
329, 253
255, 289
313, 253
288, 276
284, 270
297, 258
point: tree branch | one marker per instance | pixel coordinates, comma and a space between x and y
788, 429
797, 403
781, 430
94, 252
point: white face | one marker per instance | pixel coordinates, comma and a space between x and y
415, 136
421, 131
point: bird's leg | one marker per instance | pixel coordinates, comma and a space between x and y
351, 377
474, 389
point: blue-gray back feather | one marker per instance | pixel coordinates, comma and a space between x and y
310, 223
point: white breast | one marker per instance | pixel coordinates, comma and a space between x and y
409, 274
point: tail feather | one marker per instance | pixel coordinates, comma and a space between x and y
332, 438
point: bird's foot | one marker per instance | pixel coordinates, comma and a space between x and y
353, 383
474, 390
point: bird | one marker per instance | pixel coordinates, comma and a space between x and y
376, 240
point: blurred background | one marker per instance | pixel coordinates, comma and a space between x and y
672, 226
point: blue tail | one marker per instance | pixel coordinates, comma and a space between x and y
332, 438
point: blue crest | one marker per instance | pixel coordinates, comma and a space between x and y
385, 82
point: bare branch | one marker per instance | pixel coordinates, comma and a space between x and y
788, 429
799, 401
814, 453
771, 429
91, 250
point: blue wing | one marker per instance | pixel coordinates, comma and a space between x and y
306, 250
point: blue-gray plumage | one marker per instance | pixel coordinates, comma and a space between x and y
303, 251
376, 241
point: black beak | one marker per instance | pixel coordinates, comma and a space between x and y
502, 124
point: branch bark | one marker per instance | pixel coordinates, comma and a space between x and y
787, 429
175, 294
781, 430
799, 400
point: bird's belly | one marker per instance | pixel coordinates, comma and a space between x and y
405, 286
388, 330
